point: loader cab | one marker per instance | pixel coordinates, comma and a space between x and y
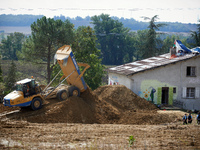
27, 86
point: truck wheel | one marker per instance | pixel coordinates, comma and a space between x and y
74, 91
62, 94
36, 103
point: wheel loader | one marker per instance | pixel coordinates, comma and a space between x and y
28, 93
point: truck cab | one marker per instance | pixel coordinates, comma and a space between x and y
26, 93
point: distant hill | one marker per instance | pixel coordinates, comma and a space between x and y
27, 20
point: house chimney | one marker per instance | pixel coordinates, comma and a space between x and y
172, 52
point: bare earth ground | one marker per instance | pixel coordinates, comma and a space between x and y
97, 122
23, 135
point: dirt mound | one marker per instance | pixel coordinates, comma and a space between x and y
107, 104
85, 109
122, 97
133, 109
73, 110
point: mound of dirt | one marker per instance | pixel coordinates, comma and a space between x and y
85, 109
73, 110
133, 109
106, 105
122, 97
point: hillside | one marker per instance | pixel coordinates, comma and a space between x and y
132, 24
25, 70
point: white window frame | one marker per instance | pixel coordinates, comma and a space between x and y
196, 92
190, 92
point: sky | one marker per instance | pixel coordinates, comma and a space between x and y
184, 11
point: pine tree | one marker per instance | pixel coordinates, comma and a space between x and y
11, 78
46, 37
152, 41
196, 35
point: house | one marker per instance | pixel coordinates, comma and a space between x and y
169, 79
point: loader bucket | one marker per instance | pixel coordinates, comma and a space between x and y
69, 66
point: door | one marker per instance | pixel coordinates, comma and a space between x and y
165, 95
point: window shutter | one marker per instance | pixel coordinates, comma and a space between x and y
197, 92
184, 92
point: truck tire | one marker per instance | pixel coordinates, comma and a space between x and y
36, 103
62, 94
74, 91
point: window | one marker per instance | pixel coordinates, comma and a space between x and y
174, 90
190, 92
191, 71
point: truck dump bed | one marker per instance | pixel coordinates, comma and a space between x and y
70, 69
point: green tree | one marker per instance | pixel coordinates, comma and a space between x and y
2, 85
168, 42
140, 43
111, 35
196, 35
46, 37
85, 51
152, 42
12, 45
129, 48
11, 78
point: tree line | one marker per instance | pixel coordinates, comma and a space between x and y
108, 43
132, 24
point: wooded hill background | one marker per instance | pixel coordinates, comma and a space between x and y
27, 20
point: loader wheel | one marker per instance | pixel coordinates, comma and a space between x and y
74, 91
62, 94
36, 103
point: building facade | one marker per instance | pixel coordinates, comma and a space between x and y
162, 79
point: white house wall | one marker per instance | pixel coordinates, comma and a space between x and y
119, 80
147, 84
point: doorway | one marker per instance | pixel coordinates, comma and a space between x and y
165, 95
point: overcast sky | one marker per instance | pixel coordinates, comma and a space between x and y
185, 11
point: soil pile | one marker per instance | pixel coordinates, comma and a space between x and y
122, 97
133, 109
85, 109
107, 104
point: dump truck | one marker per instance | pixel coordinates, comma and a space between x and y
28, 92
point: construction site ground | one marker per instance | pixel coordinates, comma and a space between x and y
100, 119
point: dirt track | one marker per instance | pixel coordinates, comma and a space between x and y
103, 119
